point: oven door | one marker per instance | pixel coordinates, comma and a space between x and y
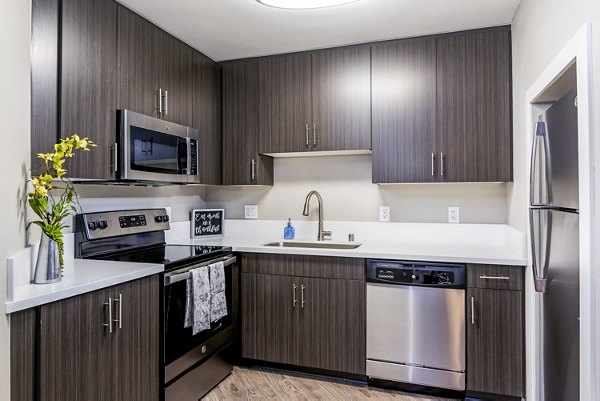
155, 150
183, 349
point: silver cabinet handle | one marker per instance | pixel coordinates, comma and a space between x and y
307, 130
110, 319
433, 164
253, 169
295, 300
119, 318
442, 172
302, 295
160, 98
484, 277
315, 134
166, 105
472, 310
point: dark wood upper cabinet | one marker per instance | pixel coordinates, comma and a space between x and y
442, 108
88, 84
474, 117
137, 54
341, 98
174, 68
73, 81
315, 101
45, 32
495, 330
242, 164
207, 117
404, 106
154, 70
285, 116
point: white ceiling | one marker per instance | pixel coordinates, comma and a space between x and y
231, 29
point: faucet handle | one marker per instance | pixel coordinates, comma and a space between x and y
325, 235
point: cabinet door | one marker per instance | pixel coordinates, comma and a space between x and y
76, 350
332, 321
136, 63
474, 106
404, 93
207, 118
45, 32
341, 98
242, 165
495, 341
88, 84
174, 74
136, 346
269, 318
285, 103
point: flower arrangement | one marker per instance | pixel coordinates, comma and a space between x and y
49, 209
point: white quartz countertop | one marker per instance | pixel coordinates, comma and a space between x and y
80, 276
434, 252
460, 243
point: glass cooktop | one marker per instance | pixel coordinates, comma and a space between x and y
170, 255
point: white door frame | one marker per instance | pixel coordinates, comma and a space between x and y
578, 49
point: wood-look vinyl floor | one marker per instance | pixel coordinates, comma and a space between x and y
252, 383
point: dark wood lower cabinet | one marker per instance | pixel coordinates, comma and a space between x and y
495, 340
312, 322
78, 358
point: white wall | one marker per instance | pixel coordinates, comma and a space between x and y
14, 150
344, 182
541, 28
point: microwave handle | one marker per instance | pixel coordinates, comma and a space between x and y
189, 155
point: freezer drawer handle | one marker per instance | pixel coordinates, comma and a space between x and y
484, 277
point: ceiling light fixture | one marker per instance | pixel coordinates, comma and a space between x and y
303, 4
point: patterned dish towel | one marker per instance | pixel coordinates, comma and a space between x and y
198, 300
218, 302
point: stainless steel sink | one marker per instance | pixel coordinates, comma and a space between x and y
317, 245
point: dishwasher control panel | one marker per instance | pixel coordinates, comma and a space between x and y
416, 273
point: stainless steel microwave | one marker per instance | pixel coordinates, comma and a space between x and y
150, 149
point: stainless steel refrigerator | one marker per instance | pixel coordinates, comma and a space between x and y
554, 225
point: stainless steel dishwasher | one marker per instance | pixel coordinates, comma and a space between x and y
416, 323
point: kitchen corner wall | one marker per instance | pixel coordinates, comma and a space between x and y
15, 31
348, 194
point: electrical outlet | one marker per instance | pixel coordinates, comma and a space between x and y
454, 214
384, 213
251, 211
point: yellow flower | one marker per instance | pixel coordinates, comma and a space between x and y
46, 179
41, 191
45, 156
60, 172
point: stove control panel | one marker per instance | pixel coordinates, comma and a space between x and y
116, 223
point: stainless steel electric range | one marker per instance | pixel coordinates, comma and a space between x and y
191, 364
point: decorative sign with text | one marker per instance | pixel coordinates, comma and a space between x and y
207, 223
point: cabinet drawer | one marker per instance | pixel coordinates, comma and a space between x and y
495, 277
304, 265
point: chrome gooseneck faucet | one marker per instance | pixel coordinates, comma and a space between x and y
321, 235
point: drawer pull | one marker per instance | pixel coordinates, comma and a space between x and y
484, 277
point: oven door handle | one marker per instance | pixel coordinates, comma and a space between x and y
184, 274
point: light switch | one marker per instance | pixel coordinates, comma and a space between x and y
251, 211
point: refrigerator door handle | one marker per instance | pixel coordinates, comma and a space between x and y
540, 247
540, 132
